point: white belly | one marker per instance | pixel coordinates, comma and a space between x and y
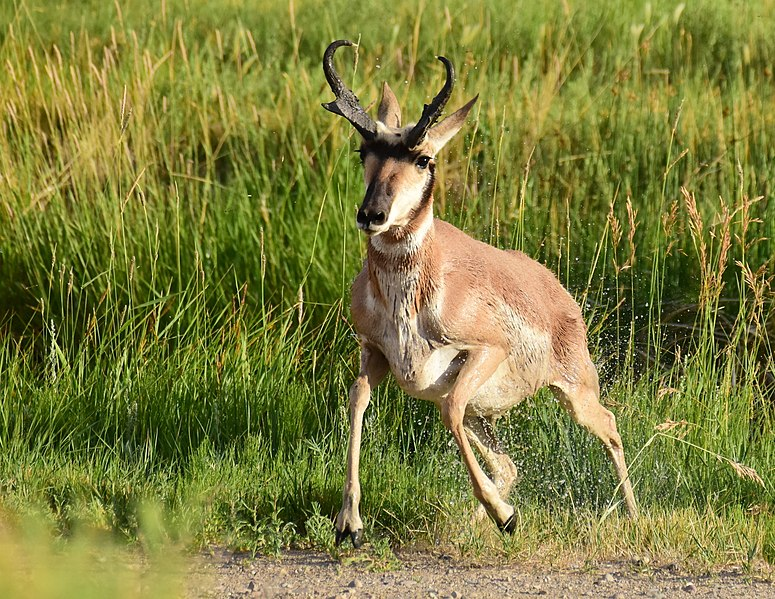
507, 386
426, 367
426, 370
432, 375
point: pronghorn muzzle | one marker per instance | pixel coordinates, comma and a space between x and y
374, 210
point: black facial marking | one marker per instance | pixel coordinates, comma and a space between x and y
369, 192
383, 151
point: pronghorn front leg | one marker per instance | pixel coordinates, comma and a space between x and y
480, 365
373, 369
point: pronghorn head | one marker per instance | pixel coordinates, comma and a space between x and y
398, 161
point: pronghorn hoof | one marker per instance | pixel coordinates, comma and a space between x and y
510, 525
356, 536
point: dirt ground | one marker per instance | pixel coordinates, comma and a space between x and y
223, 574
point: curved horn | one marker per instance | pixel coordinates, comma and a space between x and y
346, 103
431, 112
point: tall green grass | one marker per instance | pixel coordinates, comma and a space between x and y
177, 243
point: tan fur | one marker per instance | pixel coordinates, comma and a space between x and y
470, 327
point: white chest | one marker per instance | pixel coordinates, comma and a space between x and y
423, 364
401, 315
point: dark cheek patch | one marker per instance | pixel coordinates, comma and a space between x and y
427, 190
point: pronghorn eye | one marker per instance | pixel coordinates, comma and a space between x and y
422, 162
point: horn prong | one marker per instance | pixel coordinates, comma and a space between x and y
431, 112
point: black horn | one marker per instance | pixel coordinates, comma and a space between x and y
346, 103
431, 112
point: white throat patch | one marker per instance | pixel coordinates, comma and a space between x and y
407, 246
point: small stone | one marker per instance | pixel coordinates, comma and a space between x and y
455, 595
605, 579
618, 596
251, 585
689, 587
355, 584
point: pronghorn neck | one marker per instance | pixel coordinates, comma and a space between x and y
402, 265
406, 247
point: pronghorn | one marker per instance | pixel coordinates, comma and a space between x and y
472, 328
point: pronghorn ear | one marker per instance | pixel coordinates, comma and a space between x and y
389, 110
441, 133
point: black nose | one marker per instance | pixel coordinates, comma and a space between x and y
367, 217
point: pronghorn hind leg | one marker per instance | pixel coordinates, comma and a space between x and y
582, 401
373, 369
481, 433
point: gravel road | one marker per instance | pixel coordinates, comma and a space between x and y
224, 574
